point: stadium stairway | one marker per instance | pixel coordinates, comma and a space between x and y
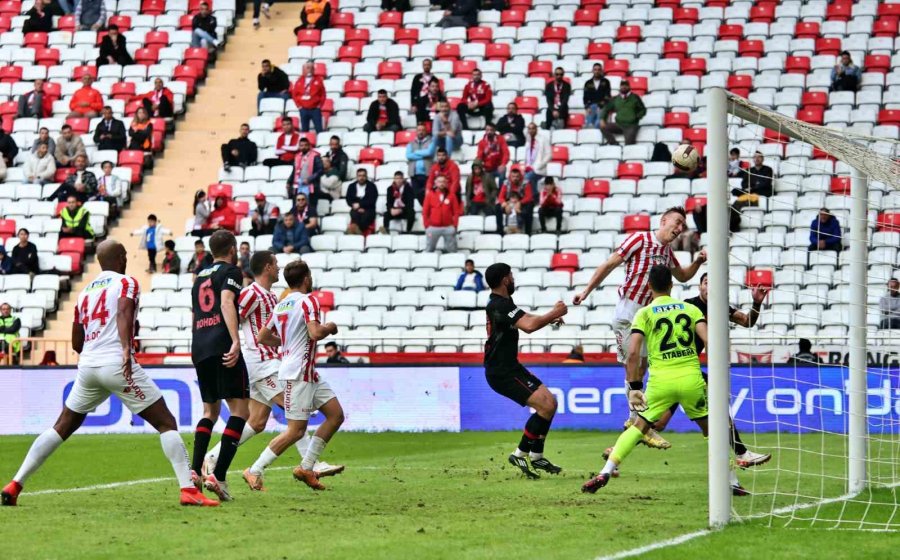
192, 155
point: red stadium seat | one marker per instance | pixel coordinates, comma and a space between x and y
10, 74
131, 157
586, 16
520, 4
357, 37
464, 68
392, 20
527, 104
602, 51
35, 40
403, 137
731, 32
240, 207
812, 115
497, 51
889, 116
677, 120
814, 99
373, 156
147, 56
564, 262
390, 70
686, 15
560, 154
157, 38
7, 228
759, 277
694, 202
349, 53
821, 154
406, 36
325, 299
596, 188
476, 35
76, 261
762, 13
79, 72
840, 185
617, 67
825, 45
693, 66
342, 20
636, 222
66, 23
740, 84
695, 135
888, 221
877, 63
80, 125
46, 57
633, 171
71, 245
575, 121
515, 18
664, 3
888, 9
186, 22
628, 34
10, 8
638, 84
447, 51
555, 35
540, 69
188, 75
675, 49
356, 88
751, 48
309, 37
131, 108
194, 5
772, 137
806, 30
123, 22
62, 173
122, 90
216, 190
6, 23
840, 10
153, 7
797, 65
886, 27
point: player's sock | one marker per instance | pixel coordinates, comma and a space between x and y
518, 451
627, 441
316, 446
202, 435
230, 438
736, 443
176, 452
246, 434
537, 447
536, 429
44, 446
303, 444
266, 458
732, 478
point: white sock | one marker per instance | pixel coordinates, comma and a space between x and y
535, 456
316, 446
303, 444
732, 478
245, 435
43, 447
176, 452
266, 458
609, 467
519, 453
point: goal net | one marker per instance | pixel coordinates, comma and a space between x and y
832, 428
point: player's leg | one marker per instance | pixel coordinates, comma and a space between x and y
622, 330
538, 426
232, 386
334, 418
296, 427
207, 379
663, 421
256, 422
744, 457
519, 386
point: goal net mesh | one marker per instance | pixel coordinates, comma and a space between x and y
798, 411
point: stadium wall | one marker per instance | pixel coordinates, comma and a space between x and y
406, 398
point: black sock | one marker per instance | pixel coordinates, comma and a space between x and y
525, 444
202, 435
230, 439
535, 431
736, 443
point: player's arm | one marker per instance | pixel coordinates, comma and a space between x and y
229, 313
685, 273
702, 331
530, 323
77, 335
268, 337
599, 276
318, 331
634, 373
125, 326
749, 319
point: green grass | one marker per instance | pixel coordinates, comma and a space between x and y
428, 496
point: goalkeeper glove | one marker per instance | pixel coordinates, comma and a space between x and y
636, 400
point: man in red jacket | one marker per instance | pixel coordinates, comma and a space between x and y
443, 167
493, 153
86, 102
286, 147
517, 184
309, 96
551, 205
476, 100
440, 215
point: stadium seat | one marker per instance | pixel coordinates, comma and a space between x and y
565, 262
636, 222
309, 37
390, 20
596, 188
513, 18
628, 34
888, 221
731, 32
681, 15
840, 10
759, 277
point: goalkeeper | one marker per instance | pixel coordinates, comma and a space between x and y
670, 327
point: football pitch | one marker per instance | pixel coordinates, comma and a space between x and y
421, 496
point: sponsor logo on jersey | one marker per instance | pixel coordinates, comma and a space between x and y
231, 282
285, 305
101, 284
668, 307
208, 271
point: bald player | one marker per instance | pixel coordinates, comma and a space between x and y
102, 334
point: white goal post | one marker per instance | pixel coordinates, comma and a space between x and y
867, 165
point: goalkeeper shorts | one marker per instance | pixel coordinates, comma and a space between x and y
688, 391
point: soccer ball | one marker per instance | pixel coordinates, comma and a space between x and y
685, 157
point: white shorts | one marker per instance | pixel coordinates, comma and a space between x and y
625, 312
94, 384
302, 398
266, 385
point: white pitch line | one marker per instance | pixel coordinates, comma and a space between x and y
675, 541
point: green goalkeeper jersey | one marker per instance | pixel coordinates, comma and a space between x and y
669, 328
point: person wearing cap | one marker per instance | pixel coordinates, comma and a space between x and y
263, 216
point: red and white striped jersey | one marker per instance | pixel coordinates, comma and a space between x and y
255, 306
96, 309
298, 350
641, 251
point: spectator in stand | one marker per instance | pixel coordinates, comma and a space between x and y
551, 205
110, 132
440, 214
493, 153
362, 196
109, 187
509, 214
384, 114
428, 105
597, 93
159, 102
263, 216
315, 14
69, 146
141, 132
307, 171
290, 236
690, 240
9, 330
481, 192
201, 214
629, 110
222, 216
152, 239
171, 263
576, 356
309, 96
462, 13
447, 128
805, 356
244, 262
76, 220
204, 26
825, 233
90, 15
476, 100
113, 49
6, 264
523, 206
286, 147
340, 161
890, 306
537, 155
40, 18
43, 137
8, 148
330, 182
334, 354
512, 126
239, 151
34, 104
400, 204
421, 83
470, 279
735, 169
273, 83
420, 153
306, 214
86, 102
756, 182
40, 167
25, 255
201, 260
447, 168
82, 184
265, 6
395, 5
557, 93
845, 75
